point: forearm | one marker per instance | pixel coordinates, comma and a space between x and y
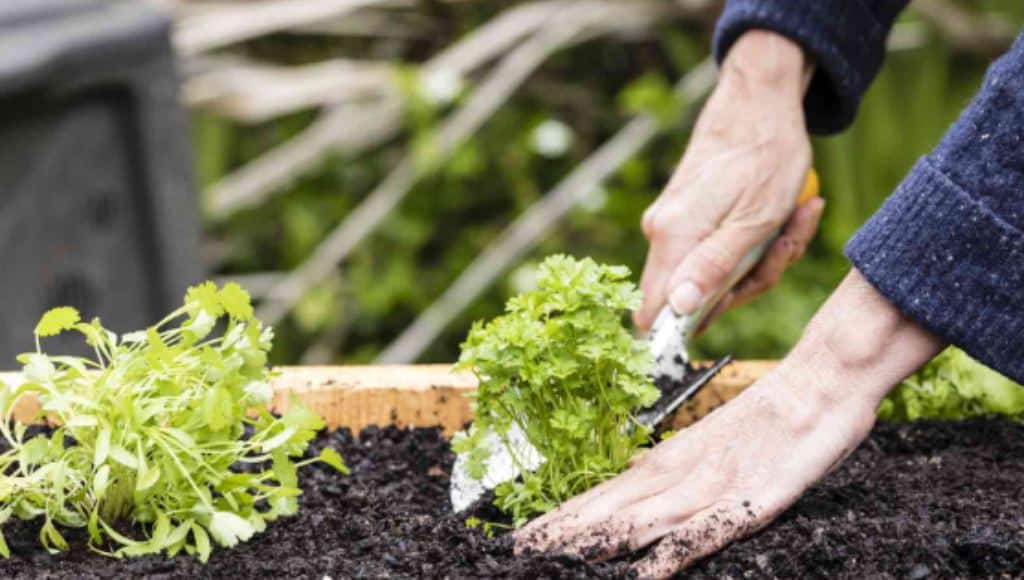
948, 246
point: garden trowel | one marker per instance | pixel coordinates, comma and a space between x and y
677, 379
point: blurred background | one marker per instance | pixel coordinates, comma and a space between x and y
379, 173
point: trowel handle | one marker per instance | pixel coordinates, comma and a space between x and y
809, 192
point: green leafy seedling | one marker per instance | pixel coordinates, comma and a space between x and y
167, 427
561, 365
954, 386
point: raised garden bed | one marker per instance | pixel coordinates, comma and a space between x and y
936, 500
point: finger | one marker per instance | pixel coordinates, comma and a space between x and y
767, 273
639, 524
662, 259
705, 533
555, 528
786, 250
803, 224
705, 269
553, 531
723, 305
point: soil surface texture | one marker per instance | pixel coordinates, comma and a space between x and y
930, 500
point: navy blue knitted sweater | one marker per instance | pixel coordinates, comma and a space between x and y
947, 247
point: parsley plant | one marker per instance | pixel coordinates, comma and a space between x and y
562, 366
154, 429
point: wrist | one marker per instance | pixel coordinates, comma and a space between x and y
861, 345
762, 60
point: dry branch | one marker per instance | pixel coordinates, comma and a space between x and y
253, 183
536, 221
345, 130
574, 21
983, 34
257, 284
231, 23
254, 93
484, 101
386, 24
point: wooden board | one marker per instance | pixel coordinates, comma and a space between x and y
422, 395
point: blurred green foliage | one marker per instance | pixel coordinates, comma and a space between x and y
592, 88
953, 386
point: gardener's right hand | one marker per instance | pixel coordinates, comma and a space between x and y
737, 184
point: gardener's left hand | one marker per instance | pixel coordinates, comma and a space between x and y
736, 470
720, 480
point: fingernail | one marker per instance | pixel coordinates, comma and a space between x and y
686, 298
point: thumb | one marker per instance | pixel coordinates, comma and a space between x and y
709, 265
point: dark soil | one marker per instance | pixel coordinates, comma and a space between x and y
932, 500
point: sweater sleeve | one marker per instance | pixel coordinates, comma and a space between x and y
845, 37
947, 247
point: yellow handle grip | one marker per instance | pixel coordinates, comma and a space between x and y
811, 187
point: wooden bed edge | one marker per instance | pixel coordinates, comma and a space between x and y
421, 395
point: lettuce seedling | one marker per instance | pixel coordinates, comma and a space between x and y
953, 386
166, 427
561, 365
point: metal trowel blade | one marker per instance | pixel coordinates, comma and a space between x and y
675, 393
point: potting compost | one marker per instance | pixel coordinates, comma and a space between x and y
925, 500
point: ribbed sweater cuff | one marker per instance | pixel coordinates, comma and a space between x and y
948, 262
844, 37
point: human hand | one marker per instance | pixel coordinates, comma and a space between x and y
736, 470
736, 185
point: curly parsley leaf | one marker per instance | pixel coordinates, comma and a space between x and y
562, 366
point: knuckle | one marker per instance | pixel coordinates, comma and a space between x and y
654, 463
661, 227
714, 260
647, 222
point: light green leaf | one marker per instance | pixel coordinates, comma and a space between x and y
83, 421
124, 457
206, 297
228, 528
57, 320
236, 301
278, 440
202, 542
102, 449
161, 530
120, 538
217, 408
51, 539
39, 369
179, 533
33, 451
333, 458
147, 479
100, 482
